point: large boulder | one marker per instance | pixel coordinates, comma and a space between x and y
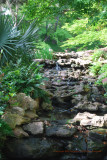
19, 132
87, 106
26, 102
34, 128
14, 120
88, 119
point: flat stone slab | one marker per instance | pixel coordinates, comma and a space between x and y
60, 130
88, 119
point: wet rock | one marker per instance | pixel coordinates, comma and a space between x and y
32, 148
79, 88
76, 98
96, 149
60, 131
14, 120
77, 145
99, 133
34, 128
19, 132
74, 157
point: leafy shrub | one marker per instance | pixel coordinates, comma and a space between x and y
95, 68
84, 36
45, 53
103, 69
99, 54
19, 78
100, 69
60, 35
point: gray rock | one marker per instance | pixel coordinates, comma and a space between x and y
87, 106
79, 88
103, 108
34, 128
60, 131
78, 144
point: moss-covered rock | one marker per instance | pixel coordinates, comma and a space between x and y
14, 120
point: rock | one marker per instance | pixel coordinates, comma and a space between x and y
31, 114
34, 128
19, 132
60, 131
14, 120
79, 88
78, 98
41, 61
87, 119
99, 133
46, 106
103, 108
78, 144
105, 120
85, 122
84, 115
26, 102
87, 106
96, 149
97, 121
95, 90
32, 148
18, 110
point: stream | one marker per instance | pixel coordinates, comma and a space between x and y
76, 128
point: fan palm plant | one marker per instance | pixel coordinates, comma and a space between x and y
11, 39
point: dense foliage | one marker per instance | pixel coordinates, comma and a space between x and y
100, 69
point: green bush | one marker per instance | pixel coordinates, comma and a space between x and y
95, 68
85, 36
99, 54
44, 53
100, 69
19, 78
